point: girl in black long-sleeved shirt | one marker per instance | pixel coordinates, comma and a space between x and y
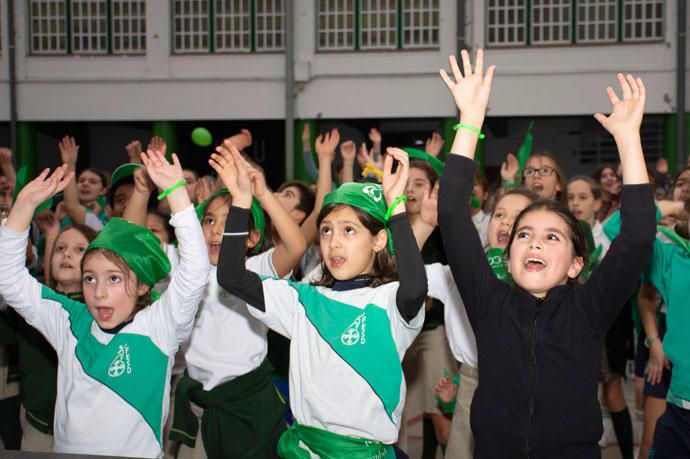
349, 333
539, 342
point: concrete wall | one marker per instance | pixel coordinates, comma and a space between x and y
563, 80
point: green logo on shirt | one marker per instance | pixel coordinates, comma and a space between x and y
356, 332
121, 362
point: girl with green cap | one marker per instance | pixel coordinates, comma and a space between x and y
115, 351
350, 330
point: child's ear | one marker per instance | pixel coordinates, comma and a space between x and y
380, 240
142, 290
597, 205
298, 215
576, 267
253, 239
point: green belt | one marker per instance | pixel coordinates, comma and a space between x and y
243, 418
329, 445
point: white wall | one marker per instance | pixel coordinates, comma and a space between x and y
566, 80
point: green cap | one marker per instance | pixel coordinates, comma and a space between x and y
256, 210
366, 196
137, 246
123, 171
436, 163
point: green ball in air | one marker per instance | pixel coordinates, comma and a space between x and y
202, 137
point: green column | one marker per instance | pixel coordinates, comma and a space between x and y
26, 141
300, 171
168, 131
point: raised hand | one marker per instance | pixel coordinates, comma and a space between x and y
375, 137
306, 137
434, 144
133, 150
48, 223
258, 180
326, 144
69, 151
662, 166
348, 150
5, 156
429, 208
471, 88
204, 189
160, 171
626, 116
510, 168
365, 156
157, 144
142, 181
394, 184
43, 187
242, 140
232, 170
446, 390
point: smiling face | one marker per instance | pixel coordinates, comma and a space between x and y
65, 262
545, 184
110, 293
90, 187
505, 212
541, 254
581, 201
347, 246
610, 182
418, 185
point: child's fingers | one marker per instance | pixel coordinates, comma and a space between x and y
434, 192
489, 76
466, 63
42, 176
446, 79
176, 161
625, 87
600, 117
642, 88
64, 182
479, 65
454, 68
633, 86
612, 95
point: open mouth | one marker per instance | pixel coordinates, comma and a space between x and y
336, 262
537, 187
503, 237
534, 264
104, 313
66, 266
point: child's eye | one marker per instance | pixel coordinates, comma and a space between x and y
115, 279
350, 230
59, 249
325, 230
209, 221
552, 237
80, 249
89, 279
522, 235
498, 215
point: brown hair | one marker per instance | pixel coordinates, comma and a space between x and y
227, 199
577, 236
307, 198
595, 187
596, 175
142, 300
529, 194
425, 167
86, 231
384, 264
102, 175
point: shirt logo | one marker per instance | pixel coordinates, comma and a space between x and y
120, 363
374, 192
356, 332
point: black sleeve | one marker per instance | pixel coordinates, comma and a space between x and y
232, 274
615, 279
475, 279
411, 272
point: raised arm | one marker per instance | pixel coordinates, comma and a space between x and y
348, 150
325, 148
307, 156
69, 152
472, 272
137, 206
622, 265
409, 262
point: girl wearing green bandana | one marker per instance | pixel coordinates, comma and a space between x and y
115, 351
350, 330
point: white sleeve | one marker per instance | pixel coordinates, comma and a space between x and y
91, 220
281, 304
23, 292
262, 264
178, 305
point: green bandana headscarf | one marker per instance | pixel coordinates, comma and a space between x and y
256, 210
436, 163
137, 246
366, 196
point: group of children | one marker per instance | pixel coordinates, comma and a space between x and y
158, 313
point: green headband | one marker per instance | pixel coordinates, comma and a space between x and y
256, 210
137, 246
435, 163
366, 196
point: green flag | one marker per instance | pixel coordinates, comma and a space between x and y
525, 150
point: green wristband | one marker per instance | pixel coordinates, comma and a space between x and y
395, 202
164, 194
471, 128
507, 184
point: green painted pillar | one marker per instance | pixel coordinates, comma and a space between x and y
300, 171
448, 135
168, 131
26, 141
